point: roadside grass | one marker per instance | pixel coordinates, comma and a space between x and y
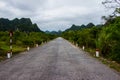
15, 48
5, 48
18, 48
112, 64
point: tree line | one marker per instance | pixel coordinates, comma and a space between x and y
25, 34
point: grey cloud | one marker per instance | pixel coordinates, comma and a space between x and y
26, 4
54, 14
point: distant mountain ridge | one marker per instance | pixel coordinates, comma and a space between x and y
54, 32
76, 27
23, 24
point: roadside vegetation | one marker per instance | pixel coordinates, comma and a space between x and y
24, 34
105, 37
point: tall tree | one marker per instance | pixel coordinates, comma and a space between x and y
113, 4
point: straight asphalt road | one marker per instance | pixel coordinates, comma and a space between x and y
56, 60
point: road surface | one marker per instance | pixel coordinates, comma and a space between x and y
56, 60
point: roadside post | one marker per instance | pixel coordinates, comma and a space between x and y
36, 45
83, 47
76, 44
10, 52
97, 52
28, 48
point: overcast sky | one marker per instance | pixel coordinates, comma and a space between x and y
54, 14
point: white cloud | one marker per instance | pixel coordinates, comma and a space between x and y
54, 14
2, 4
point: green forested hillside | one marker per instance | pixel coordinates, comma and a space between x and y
23, 24
77, 27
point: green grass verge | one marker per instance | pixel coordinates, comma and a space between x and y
6, 48
111, 64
